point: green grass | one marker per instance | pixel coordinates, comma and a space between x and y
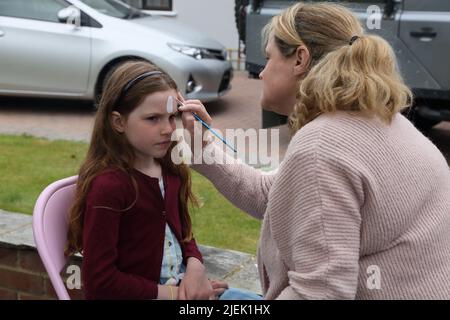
28, 165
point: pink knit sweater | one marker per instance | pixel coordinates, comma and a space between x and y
357, 209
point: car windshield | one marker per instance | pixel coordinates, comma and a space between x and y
115, 8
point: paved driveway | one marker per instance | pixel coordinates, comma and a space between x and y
63, 119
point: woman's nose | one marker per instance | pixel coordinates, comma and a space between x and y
261, 74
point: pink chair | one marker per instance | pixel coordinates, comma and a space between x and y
50, 221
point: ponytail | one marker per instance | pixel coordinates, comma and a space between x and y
362, 78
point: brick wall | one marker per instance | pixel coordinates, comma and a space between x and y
23, 276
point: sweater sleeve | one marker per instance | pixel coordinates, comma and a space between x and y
319, 230
191, 250
247, 188
101, 277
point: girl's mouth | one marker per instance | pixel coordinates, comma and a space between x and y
164, 143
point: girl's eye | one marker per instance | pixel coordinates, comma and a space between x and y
153, 118
174, 116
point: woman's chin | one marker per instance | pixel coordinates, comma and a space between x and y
274, 109
266, 106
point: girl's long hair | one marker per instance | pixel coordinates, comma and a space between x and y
111, 150
362, 77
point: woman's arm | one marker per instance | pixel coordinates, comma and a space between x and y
246, 187
317, 226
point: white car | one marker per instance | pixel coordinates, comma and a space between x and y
67, 49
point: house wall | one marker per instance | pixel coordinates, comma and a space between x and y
214, 18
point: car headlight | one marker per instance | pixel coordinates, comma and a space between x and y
198, 53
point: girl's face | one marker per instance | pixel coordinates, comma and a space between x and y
150, 125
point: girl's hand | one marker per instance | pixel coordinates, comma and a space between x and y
195, 284
167, 292
219, 287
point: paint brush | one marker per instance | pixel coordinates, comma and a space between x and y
208, 127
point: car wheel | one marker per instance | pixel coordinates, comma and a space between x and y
102, 85
105, 79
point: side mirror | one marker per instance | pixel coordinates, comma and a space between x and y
70, 15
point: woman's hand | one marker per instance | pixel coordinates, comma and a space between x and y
188, 119
195, 284
219, 287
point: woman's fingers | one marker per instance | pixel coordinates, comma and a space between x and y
180, 97
219, 287
198, 108
188, 120
218, 292
191, 110
217, 284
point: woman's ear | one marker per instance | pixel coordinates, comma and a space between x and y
302, 60
117, 122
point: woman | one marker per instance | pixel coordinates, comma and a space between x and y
360, 206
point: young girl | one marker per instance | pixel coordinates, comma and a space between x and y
130, 217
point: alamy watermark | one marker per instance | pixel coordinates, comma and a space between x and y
374, 17
74, 279
256, 147
374, 278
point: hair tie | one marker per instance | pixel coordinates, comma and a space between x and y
353, 39
132, 82
139, 78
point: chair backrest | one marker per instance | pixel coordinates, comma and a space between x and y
50, 222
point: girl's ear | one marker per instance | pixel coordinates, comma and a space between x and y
117, 122
302, 60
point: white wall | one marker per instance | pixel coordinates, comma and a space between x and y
213, 17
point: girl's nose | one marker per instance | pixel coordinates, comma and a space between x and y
168, 128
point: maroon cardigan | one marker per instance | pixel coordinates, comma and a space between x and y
123, 251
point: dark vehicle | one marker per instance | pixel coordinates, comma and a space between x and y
419, 32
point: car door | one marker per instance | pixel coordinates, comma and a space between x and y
425, 30
39, 54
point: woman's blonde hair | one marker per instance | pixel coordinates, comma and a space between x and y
362, 77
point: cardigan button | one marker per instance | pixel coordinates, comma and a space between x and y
164, 212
